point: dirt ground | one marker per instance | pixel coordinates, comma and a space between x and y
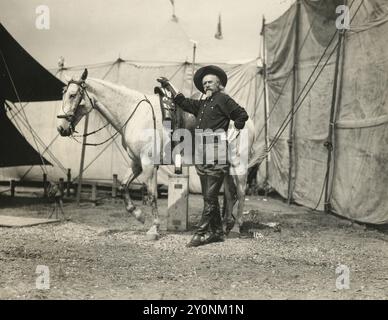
102, 253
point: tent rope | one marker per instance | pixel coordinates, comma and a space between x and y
285, 123
177, 70
18, 97
282, 130
56, 160
290, 72
39, 140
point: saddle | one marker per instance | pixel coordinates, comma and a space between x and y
175, 115
169, 113
167, 105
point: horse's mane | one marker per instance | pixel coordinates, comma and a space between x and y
112, 92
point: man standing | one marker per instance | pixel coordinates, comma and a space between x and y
214, 113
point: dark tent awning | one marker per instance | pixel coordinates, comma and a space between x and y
15, 150
22, 79
20, 71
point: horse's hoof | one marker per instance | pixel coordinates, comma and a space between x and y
138, 214
229, 224
153, 233
129, 208
156, 223
235, 230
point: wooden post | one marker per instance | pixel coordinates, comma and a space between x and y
114, 186
193, 67
94, 193
45, 195
334, 105
265, 111
61, 187
81, 166
12, 185
68, 183
291, 134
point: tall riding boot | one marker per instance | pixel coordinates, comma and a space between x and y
203, 180
216, 224
214, 186
199, 235
204, 224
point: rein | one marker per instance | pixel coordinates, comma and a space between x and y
125, 123
95, 131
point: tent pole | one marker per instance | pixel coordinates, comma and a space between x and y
186, 169
254, 180
330, 139
193, 67
81, 166
265, 109
291, 136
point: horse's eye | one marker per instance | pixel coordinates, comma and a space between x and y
72, 95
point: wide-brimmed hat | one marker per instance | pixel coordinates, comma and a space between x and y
204, 71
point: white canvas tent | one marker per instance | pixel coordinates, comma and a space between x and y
347, 121
103, 161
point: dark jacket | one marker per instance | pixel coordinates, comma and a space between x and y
215, 112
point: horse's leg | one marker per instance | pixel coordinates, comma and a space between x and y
241, 184
230, 200
150, 174
129, 205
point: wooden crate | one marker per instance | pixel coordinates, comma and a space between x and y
178, 202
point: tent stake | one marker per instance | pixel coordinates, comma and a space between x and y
12, 187
68, 183
61, 187
114, 186
45, 194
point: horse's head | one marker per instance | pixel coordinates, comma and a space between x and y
75, 104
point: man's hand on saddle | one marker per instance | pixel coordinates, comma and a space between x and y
166, 84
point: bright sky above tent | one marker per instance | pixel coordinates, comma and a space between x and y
87, 32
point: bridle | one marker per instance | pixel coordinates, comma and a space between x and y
79, 95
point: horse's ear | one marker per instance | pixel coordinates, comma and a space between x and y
84, 75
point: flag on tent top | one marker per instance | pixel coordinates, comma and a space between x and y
174, 17
218, 34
